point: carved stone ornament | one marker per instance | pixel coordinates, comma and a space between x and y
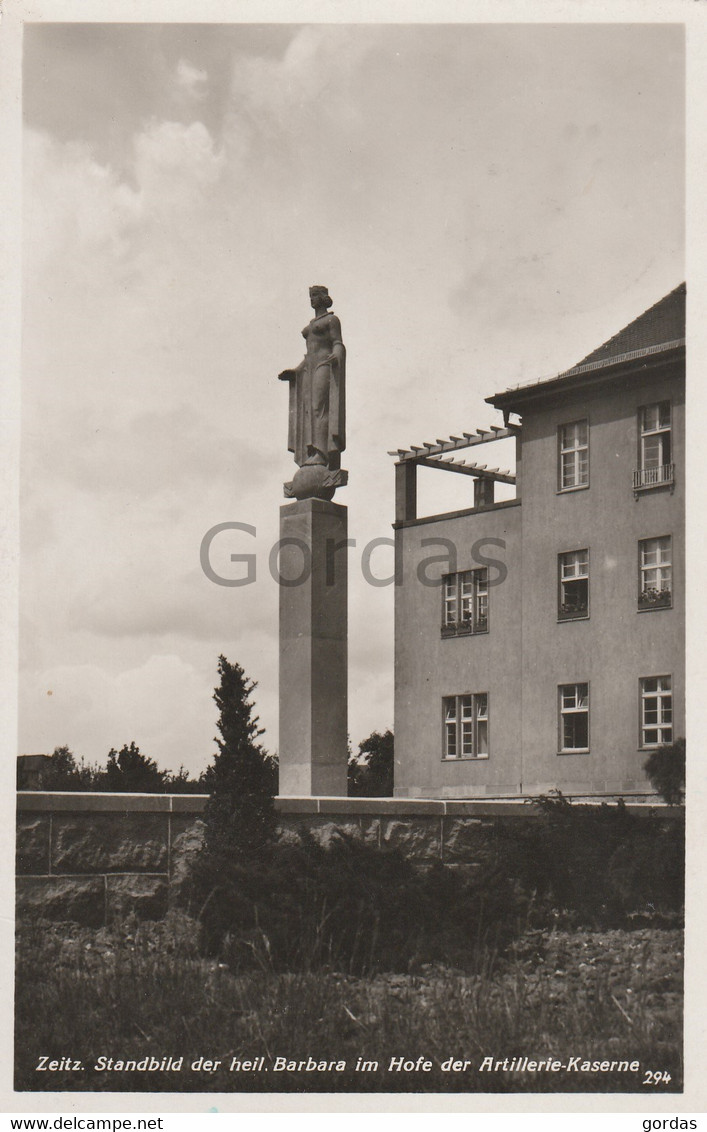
313, 481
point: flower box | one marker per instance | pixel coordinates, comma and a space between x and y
457, 629
655, 599
571, 611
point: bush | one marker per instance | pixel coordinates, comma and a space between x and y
601, 866
665, 768
352, 907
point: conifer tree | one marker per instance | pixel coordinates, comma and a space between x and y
240, 814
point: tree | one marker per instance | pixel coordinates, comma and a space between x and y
63, 763
129, 770
665, 768
240, 813
370, 772
183, 783
64, 773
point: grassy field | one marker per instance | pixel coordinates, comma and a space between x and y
140, 992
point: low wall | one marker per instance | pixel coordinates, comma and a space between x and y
95, 857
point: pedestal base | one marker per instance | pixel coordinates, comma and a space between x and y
313, 649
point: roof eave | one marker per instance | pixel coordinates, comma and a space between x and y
591, 374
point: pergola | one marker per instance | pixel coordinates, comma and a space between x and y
441, 455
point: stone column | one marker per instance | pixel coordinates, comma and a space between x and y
405, 491
483, 491
313, 648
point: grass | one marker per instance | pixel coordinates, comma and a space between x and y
140, 991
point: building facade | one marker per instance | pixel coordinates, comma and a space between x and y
540, 639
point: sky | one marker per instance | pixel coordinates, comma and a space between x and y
486, 203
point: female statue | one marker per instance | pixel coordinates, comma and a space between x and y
317, 420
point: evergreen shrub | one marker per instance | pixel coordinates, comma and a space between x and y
599, 866
665, 768
353, 907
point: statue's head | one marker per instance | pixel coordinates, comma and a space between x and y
319, 294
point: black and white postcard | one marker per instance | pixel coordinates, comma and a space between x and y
353, 506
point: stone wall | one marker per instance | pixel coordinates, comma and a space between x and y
94, 857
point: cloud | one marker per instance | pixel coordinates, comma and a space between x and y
191, 80
151, 600
175, 164
72, 202
311, 77
76, 204
145, 454
469, 195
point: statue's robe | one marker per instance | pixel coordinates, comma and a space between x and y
307, 429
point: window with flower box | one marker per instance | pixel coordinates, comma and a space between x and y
574, 719
655, 573
573, 443
466, 726
573, 577
656, 711
465, 603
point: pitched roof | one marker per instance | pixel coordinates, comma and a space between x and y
663, 322
659, 329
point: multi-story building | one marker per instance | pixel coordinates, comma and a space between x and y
540, 639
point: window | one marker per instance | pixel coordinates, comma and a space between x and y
574, 455
465, 603
573, 571
574, 718
656, 711
655, 587
466, 727
655, 465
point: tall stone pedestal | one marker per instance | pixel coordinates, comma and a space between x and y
313, 648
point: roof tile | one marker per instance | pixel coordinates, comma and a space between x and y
663, 322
